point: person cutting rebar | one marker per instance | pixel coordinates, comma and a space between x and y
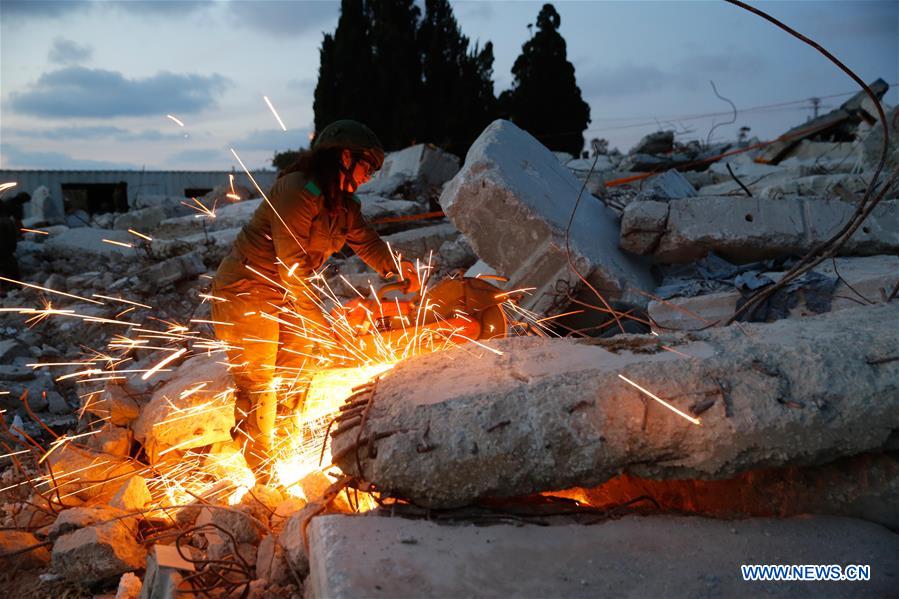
266, 311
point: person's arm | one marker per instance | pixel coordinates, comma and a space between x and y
367, 244
294, 207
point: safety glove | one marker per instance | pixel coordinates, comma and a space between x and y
409, 276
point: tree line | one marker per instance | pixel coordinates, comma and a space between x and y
415, 77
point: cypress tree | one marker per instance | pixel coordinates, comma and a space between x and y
457, 97
409, 81
345, 68
545, 99
395, 84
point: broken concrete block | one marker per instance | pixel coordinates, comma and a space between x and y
744, 167
650, 163
659, 142
419, 242
634, 556
114, 440
115, 405
86, 472
129, 587
237, 521
552, 414
10, 349
418, 167
285, 510
743, 229
78, 218
164, 578
132, 496
96, 553
227, 194
76, 518
846, 186
271, 562
88, 241
173, 270
670, 185
871, 146
862, 279
10, 372
227, 216
375, 207
456, 253
15, 542
195, 408
779, 150
143, 220
57, 404
261, 502
513, 201
645, 224
291, 538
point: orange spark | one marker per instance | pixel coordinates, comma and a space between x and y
661, 401
162, 363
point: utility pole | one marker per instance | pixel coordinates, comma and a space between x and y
816, 104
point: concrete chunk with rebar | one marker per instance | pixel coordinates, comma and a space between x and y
448, 429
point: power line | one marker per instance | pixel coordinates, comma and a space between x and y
654, 120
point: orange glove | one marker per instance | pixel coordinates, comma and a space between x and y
410, 276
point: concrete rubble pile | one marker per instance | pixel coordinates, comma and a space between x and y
772, 421
96, 532
686, 447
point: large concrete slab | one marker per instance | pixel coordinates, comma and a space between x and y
659, 556
87, 241
417, 167
512, 200
548, 414
743, 229
860, 276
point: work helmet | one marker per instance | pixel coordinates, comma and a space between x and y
353, 136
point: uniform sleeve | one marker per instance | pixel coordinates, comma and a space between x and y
367, 244
293, 211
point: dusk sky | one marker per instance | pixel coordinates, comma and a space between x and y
88, 84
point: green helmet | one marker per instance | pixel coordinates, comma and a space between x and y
353, 136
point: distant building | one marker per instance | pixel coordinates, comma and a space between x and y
96, 192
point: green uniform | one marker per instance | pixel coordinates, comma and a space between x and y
285, 242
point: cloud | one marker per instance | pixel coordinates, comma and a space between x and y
187, 159
35, 9
685, 74
162, 8
624, 80
24, 9
863, 20
82, 92
284, 17
15, 157
92, 132
472, 11
69, 52
272, 140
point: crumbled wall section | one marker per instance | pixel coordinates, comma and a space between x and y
744, 229
550, 414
